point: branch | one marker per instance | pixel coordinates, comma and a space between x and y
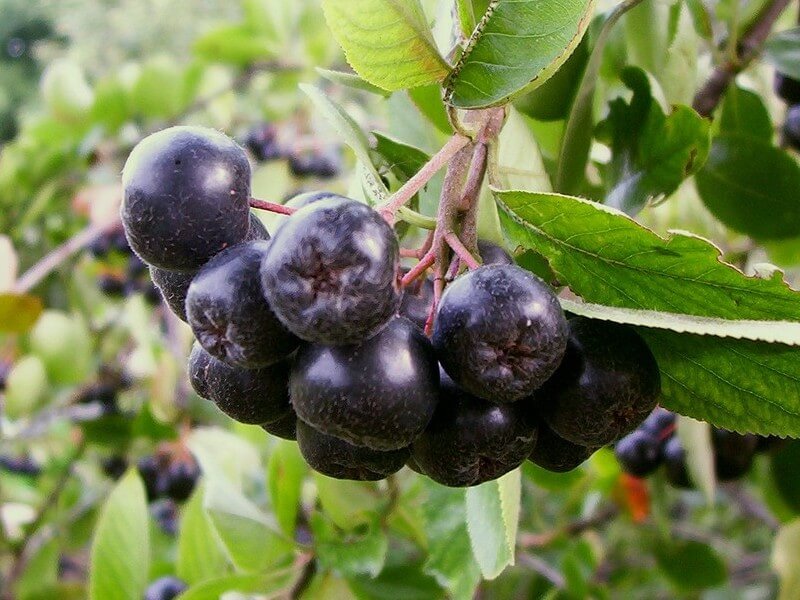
272, 207
537, 540
709, 96
305, 578
54, 259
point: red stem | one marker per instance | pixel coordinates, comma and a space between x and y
272, 207
461, 250
423, 265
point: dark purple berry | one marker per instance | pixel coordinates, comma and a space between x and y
330, 273
228, 313
415, 304
165, 588
182, 477
173, 286
285, 427
500, 332
186, 194
152, 471
791, 127
337, 458
554, 453
111, 285
115, 466
380, 394
607, 384
257, 230
733, 453
492, 254
787, 89
21, 465
639, 453
660, 423
675, 468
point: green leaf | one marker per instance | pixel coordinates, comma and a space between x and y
286, 470
695, 438
243, 584
651, 153
387, 42
492, 519
752, 187
783, 50
361, 551
40, 574
18, 312
786, 560
236, 44
450, 560
743, 112
251, 539
200, 554
691, 565
783, 472
348, 504
403, 159
352, 135
121, 548
353, 81
608, 258
402, 582
428, 99
516, 47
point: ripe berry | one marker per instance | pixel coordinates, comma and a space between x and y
21, 465
115, 466
769, 443
330, 272
337, 458
500, 332
181, 478
639, 453
253, 396
111, 285
787, 88
675, 464
415, 304
263, 143
173, 286
492, 254
307, 164
151, 470
228, 314
470, 441
554, 453
166, 515
733, 453
186, 193
285, 427
165, 588
659, 423
257, 230
791, 127
379, 394
606, 386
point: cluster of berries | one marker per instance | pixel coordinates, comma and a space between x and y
169, 474
788, 90
265, 145
305, 332
131, 278
654, 443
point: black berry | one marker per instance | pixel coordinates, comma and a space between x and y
554, 453
257, 230
165, 588
500, 332
787, 88
791, 127
115, 466
330, 272
660, 423
606, 386
415, 304
285, 427
492, 254
733, 453
380, 394
229, 316
253, 396
639, 453
337, 458
173, 286
152, 471
470, 441
186, 193
675, 468
181, 477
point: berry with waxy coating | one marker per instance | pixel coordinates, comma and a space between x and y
285, 427
253, 396
607, 384
492, 254
186, 194
330, 272
660, 423
152, 472
22, 465
115, 466
500, 332
791, 127
380, 394
639, 453
554, 453
733, 453
181, 479
262, 141
337, 458
787, 88
228, 314
257, 230
173, 285
165, 588
470, 441
415, 304
675, 464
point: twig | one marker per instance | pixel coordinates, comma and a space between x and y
542, 568
710, 95
272, 207
461, 251
417, 270
305, 578
537, 540
56, 257
437, 162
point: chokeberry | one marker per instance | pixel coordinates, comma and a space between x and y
257, 230
554, 453
733, 453
415, 304
769, 443
253, 396
791, 127
165, 588
152, 471
262, 141
337, 458
173, 285
500, 332
22, 465
186, 194
639, 453
111, 285
285, 427
330, 272
675, 468
228, 313
660, 423
470, 441
181, 476
115, 466
492, 254
605, 387
787, 88
380, 393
